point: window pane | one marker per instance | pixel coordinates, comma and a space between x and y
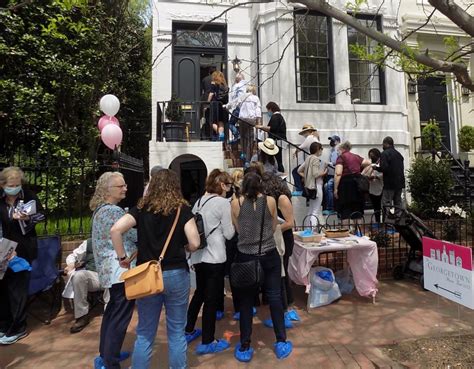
365, 76
312, 58
199, 39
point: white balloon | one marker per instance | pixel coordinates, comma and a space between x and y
109, 104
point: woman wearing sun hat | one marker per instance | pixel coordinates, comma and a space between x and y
311, 135
267, 152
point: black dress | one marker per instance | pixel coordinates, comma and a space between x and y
216, 108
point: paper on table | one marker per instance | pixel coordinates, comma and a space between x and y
6, 249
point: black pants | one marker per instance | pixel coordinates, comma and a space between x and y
279, 159
231, 251
115, 321
377, 205
209, 287
271, 265
13, 299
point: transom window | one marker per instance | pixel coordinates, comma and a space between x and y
313, 58
188, 37
367, 79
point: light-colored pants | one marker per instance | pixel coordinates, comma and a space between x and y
314, 209
83, 282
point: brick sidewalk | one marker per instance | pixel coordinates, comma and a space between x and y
347, 334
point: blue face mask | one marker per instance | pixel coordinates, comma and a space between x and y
269, 113
12, 191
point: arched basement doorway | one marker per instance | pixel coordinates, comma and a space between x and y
192, 172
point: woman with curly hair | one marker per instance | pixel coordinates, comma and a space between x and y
110, 190
154, 216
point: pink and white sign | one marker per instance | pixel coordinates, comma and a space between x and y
448, 271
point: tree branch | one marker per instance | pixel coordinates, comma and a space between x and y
458, 69
456, 14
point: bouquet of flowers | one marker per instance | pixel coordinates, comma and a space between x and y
452, 227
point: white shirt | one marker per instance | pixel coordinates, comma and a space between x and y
215, 213
237, 90
305, 146
250, 107
78, 254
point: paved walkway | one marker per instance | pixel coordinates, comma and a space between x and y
347, 334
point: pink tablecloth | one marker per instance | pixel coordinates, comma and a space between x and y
362, 258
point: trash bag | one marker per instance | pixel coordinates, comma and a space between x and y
324, 289
344, 281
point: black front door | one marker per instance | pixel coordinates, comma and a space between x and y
433, 105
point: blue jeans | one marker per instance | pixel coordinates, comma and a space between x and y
329, 193
175, 298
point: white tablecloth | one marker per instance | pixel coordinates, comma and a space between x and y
362, 258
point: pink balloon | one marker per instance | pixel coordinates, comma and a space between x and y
111, 136
105, 119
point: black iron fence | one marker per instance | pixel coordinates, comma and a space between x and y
393, 248
65, 187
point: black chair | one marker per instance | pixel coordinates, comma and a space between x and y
46, 281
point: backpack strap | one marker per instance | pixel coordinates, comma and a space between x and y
205, 202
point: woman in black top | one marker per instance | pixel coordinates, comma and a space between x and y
276, 129
14, 286
218, 96
254, 216
154, 216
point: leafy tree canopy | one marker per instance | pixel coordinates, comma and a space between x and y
57, 58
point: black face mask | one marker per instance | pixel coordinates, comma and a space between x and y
229, 194
332, 143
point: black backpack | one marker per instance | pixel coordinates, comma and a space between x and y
223, 95
200, 223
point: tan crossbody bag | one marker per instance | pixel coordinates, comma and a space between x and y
147, 279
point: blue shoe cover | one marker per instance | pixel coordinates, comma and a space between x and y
99, 363
254, 311
283, 349
219, 315
292, 315
124, 355
213, 347
236, 315
269, 323
243, 356
190, 337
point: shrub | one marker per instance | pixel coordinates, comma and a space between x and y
466, 138
431, 135
430, 183
173, 111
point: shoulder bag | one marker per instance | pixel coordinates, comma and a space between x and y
147, 279
249, 274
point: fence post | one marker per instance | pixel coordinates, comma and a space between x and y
467, 184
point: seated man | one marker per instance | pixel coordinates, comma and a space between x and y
83, 279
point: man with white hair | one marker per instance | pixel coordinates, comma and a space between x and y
238, 89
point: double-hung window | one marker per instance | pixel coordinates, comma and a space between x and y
367, 78
313, 58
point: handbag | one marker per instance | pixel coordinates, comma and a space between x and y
310, 193
362, 183
249, 274
147, 279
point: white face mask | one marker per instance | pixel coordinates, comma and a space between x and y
12, 191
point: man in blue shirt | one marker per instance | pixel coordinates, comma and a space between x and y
334, 140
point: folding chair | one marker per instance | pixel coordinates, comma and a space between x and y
46, 276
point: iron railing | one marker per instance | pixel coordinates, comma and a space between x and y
65, 187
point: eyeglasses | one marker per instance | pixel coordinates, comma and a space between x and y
120, 186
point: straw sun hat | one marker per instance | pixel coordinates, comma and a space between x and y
307, 128
268, 147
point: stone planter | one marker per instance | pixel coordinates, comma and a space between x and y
469, 155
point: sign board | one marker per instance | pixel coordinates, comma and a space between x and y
448, 271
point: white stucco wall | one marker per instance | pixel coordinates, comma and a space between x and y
363, 124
